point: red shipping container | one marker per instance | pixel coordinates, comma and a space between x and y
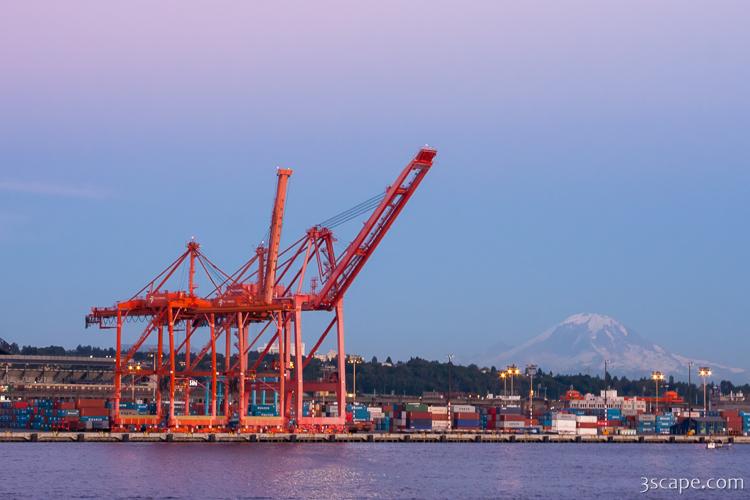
91, 403
419, 415
466, 416
587, 425
511, 418
94, 412
734, 423
20, 404
66, 405
439, 416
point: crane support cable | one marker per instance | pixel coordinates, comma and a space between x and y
353, 216
353, 212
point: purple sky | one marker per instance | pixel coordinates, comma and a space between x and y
593, 156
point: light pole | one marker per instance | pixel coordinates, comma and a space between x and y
512, 370
530, 372
690, 388
606, 388
656, 376
133, 369
354, 360
504, 376
450, 364
153, 396
704, 372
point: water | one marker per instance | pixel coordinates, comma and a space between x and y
352, 470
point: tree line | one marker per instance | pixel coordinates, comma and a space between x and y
418, 376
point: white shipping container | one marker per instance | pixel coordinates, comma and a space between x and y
375, 411
588, 419
513, 424
440, 410
564, 423
464, 409
586, 432
691, 414
564, 416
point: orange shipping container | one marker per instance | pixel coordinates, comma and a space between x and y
466, 416
94, 412
91, 403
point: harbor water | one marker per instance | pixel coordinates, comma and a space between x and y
362, 470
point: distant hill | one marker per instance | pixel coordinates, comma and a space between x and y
582, 342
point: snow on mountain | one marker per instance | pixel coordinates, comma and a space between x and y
582, 342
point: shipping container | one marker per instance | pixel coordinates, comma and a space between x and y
465, 416
94, 411
463, 409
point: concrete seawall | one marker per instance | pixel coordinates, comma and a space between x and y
115, 437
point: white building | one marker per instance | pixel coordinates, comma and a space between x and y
594, 402
274, 349
329, 356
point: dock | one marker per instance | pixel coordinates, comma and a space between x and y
134, 437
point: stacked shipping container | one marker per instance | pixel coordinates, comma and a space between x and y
465, 417
53, 415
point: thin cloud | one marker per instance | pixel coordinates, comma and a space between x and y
45, 189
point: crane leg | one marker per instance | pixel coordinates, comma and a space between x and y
298, 366
341, 393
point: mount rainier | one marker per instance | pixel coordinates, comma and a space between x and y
582, 342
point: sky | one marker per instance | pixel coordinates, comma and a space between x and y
592, 157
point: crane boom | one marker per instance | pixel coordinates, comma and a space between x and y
277, 217
267, 293
379, 222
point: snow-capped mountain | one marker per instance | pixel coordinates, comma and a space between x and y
582, 342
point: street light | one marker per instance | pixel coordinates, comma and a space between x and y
354, 360
656, 376
690, 389
606, 389
512, 370
450, 364
704, 372
530, 372
153, 356
133, 369
504, 377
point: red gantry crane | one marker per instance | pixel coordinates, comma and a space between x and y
263, 300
